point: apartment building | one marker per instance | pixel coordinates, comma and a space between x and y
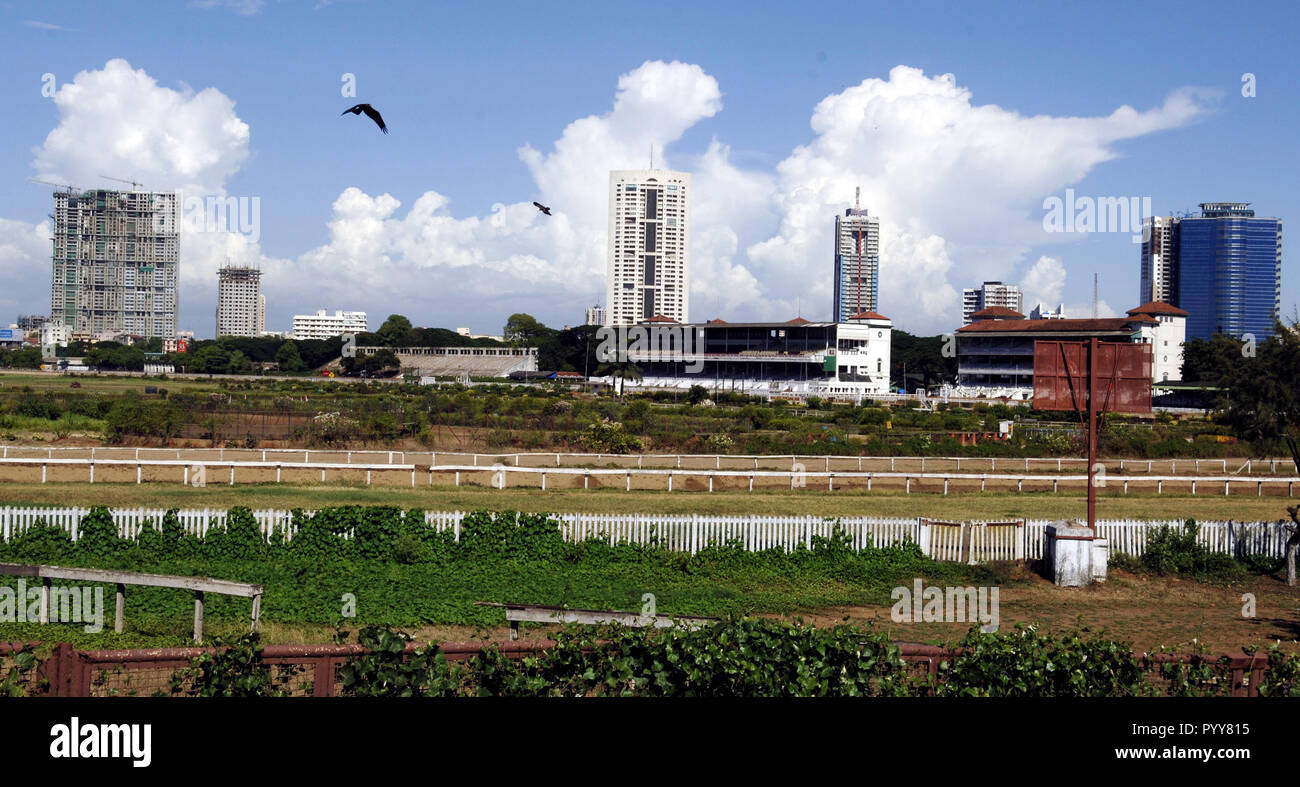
325, 325
648, 249
115, 261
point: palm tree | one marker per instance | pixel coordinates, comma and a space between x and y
619, 371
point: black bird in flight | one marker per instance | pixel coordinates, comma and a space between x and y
371, 113
542, 208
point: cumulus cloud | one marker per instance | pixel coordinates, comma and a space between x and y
119, 121
24, 250
1044, 282
952, 180
958, 187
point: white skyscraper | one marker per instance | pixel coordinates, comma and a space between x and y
857, 263
239, 301
649, 246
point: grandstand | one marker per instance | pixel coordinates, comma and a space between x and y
461, 361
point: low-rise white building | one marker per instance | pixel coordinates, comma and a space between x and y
324, 325
1166, 336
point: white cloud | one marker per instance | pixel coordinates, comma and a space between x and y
120, 122
1044, 283
24, 256
953, 182
958, 187
241, 7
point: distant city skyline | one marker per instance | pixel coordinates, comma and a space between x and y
948, 125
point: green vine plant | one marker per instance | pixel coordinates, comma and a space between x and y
235, 669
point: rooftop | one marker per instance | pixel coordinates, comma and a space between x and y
1158, 307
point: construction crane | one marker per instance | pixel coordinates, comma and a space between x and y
134, 185
69, 189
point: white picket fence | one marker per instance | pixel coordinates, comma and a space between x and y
971, 542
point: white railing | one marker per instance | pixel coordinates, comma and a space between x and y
404, 459
972, 542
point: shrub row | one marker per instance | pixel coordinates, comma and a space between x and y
747, 658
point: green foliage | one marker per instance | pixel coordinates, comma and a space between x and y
40, 543
608, 437
240, 538
18, 675
1027, 663
1283, 676
236, 669
1171, 551
737, 658
389, 669
132, 416
97, 534
288, 358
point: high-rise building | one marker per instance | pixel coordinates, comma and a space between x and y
1228, 271
857, 263
649, 246
239, 301
990, 293
261, 313
595, 315
115, 257
324, 326
1158, 255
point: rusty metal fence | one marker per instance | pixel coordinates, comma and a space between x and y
69, 672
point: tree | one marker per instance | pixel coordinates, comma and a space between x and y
922, 357
395, 332
210, 359
524, 329
288, 359
1259, 396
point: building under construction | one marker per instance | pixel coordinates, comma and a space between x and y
116, 261
240, 309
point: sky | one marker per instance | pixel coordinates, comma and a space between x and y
960, 123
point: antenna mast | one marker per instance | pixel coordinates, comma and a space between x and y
1095, 277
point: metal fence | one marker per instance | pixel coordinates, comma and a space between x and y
69, 672
967, 542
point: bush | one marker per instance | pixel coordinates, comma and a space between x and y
240, 539
1170, 551
97, 535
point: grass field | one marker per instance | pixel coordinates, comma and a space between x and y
1147, 611
100, 384
1031, 505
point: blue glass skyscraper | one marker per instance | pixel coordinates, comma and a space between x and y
1228, 271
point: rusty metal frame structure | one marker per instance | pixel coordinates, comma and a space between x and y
1131, 393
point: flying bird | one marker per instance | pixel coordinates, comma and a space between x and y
371, 113
542, 208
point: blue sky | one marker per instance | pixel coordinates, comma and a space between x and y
464, 86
